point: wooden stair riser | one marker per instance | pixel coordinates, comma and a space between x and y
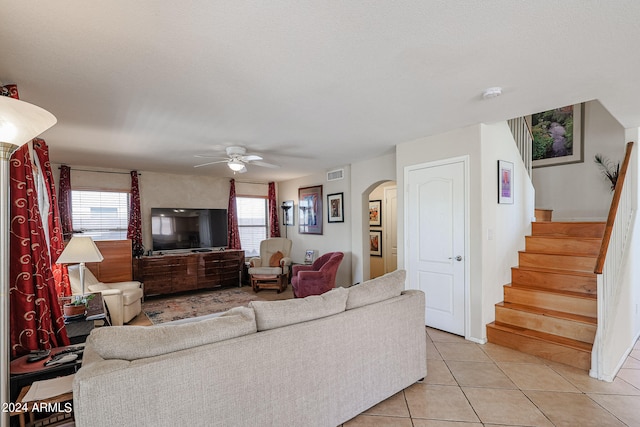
558, 281
541, 348
582, 306
562, 327
572, 229
564, 262
567, 246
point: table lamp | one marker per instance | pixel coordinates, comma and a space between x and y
80, 250
20, 122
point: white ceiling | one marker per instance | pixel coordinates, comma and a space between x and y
310, 85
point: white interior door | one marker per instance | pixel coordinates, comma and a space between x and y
391, 229
435, 224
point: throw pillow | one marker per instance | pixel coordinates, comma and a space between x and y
274, 261
138, 342
276, 314
375, 290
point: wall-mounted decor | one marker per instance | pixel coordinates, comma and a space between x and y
287, 212
375, 242
505, 182
375, 213
557, 136
335, 207
310, 210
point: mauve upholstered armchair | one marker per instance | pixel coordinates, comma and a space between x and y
317, 278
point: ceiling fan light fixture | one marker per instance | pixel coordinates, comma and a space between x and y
235, 165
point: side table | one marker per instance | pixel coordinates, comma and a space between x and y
23, 373
60, 407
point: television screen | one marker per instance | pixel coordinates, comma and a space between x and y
173, 228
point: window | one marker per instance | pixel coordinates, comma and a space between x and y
102, 215
252, 223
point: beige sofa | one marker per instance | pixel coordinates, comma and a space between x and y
315, 361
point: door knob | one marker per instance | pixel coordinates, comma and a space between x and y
458, 258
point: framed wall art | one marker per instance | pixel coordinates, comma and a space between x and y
375, 213
335, 207
375, 242
557, 136
310, 210
505, 182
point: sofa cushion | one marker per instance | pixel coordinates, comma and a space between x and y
384, 287
138, 342
274, 261
276, 314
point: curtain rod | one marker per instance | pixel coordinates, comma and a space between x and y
252, 182
98, 171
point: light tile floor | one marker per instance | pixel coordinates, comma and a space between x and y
470, 385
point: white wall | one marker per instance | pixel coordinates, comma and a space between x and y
504, 226
578, 191
489, 260
336, 236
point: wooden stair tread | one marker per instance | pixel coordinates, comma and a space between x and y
581, 273
543, 336
549, 313
555, 291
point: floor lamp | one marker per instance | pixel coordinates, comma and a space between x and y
20, 122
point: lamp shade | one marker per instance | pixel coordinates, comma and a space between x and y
20, 121
80, 249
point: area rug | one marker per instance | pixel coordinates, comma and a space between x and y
192, 305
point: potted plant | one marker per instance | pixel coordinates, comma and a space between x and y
77, 306
609, 169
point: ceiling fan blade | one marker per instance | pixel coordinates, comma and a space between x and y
250, 158
204, 156
265, 164
210, 163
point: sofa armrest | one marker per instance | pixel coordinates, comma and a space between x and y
255, 262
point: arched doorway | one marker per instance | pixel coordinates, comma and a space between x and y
383, 229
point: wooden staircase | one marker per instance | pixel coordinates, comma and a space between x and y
549, 308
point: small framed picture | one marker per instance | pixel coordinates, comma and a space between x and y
309, 256
505, 182
335, 206
287, 212
375, 213
375, 242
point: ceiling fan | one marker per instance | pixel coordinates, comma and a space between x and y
237, 159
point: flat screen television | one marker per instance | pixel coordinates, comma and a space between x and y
174, 228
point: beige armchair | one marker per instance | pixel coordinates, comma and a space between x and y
274, 257
123, 299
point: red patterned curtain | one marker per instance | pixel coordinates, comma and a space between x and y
36, 316
134, 231
64, 201
232, 221
274, 227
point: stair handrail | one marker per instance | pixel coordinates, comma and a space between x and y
613, 210
523, 138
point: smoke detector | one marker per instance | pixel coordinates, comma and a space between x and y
492, 92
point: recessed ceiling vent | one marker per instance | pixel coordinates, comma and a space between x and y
335, 175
